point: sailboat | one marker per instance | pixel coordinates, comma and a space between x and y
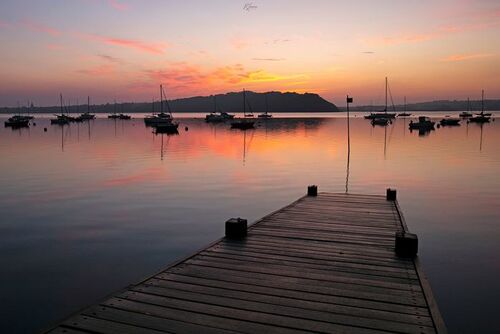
466, 114
481, 117
114, 115
162, 122
17, 121
383, 114
244, 123
450, 121
266, 114
216, 117
87, 115
404, 113
61, 119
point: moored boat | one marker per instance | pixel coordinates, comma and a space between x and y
424, 123
380, 121
243, 123
481, 117
217, 116
17, 121
162, 120
450, 121
404, 113
265, 115
61, 119
384, 113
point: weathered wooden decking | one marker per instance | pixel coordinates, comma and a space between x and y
323, 264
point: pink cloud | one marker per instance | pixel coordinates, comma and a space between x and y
40, 27
118, 5
463, 57
155, 48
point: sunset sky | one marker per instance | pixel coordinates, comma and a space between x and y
122, 49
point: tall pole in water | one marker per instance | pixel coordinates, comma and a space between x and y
348, 100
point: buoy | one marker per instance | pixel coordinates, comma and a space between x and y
44, 129
186, 128
34, 124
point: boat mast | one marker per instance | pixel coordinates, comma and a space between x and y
215, 103
166, 102
468, 105
482, 101
267, 106
88, 104
62, 110
405, 105
244, 104
161, 98
385, 95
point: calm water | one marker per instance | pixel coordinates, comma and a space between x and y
88, 209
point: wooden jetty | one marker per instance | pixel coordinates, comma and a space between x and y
327, 263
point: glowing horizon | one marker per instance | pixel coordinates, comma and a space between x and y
122, 50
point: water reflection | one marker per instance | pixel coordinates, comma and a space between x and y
78, 211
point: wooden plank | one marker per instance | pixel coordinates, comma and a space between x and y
153, 322
307, 256
297, 291
323, 264
302, 261
322, 276
270, 323
251, 258
276, 297
413, 297
94, 325
234, 302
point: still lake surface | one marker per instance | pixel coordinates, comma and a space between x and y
89, 208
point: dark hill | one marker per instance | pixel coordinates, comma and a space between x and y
229, 102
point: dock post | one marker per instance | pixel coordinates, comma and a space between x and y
406, 244
236, 228
312, 190
391, 194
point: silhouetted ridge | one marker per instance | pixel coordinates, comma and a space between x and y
229, 102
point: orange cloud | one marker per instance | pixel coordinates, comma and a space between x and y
40, 27
463, 57
183, 75
155, 48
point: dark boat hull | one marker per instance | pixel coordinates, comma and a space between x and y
242, 125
